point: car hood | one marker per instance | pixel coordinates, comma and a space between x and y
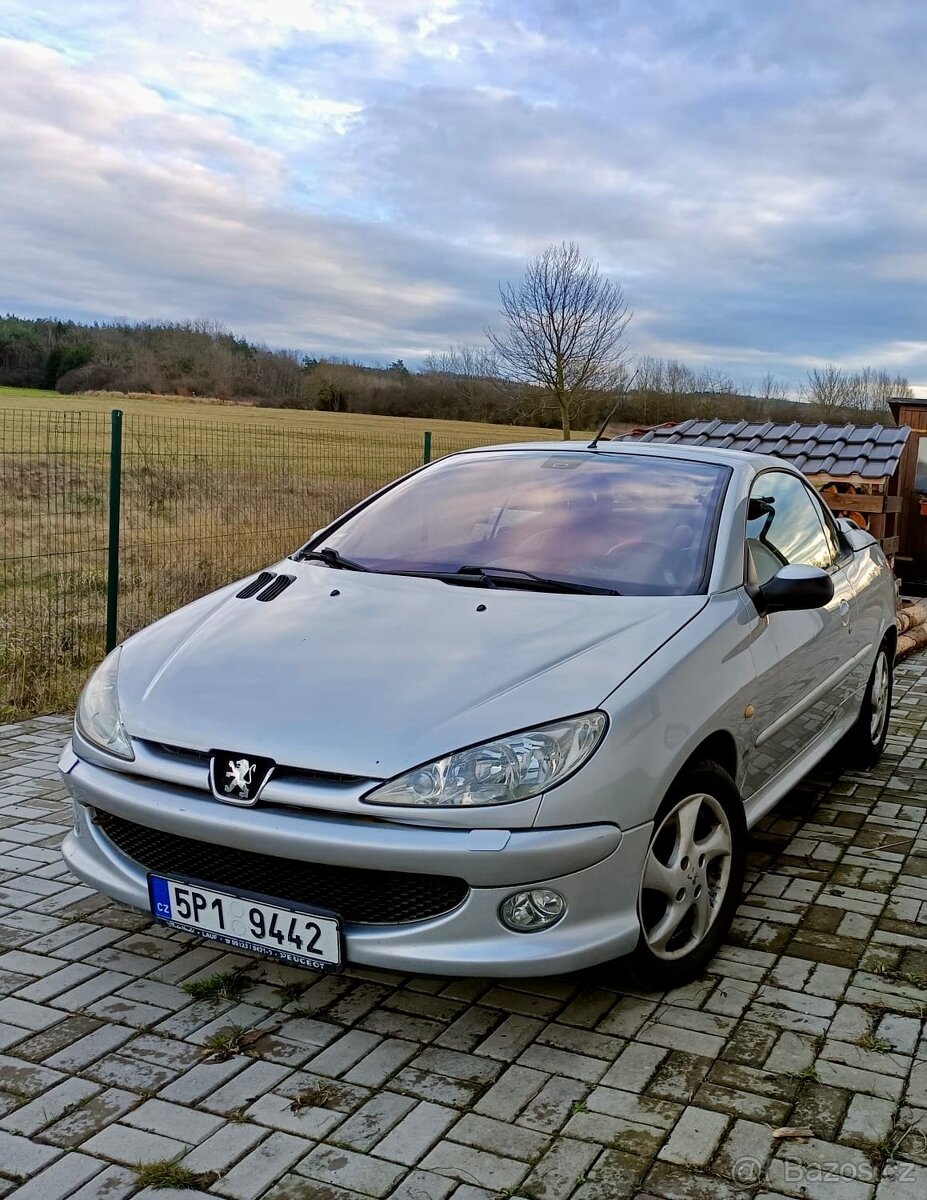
368, 674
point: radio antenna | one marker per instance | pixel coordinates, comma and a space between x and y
625, 388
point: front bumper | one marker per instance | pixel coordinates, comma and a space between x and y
596, 868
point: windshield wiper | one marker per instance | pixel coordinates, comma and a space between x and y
538, 582
475, 576
331, 558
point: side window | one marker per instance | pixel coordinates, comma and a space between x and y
784, 526
830, 530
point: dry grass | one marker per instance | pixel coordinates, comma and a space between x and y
27, 393
210, 409
211, 492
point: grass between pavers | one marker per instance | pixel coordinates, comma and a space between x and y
871, 1042
317, 1095
226, 985
171, 1173
292, 993
913, 978
888, 1149
235, 1039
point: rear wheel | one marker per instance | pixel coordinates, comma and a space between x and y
862, 746
692, 878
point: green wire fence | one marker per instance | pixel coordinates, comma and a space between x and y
109, 521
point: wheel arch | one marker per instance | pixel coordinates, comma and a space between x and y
719, 747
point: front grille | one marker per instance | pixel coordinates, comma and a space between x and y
360, 896
197, 758
200, 758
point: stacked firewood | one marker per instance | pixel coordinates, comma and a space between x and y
912, 627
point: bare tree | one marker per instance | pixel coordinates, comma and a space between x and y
888, 387
871, 390
564, 330
866, 390
827, 388
650, 387
710, 386
472, 373
771, 389
463, 361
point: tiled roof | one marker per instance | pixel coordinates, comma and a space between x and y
870, 451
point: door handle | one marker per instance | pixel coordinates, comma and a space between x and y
844, 613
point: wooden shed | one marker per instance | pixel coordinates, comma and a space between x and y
859, 469
912, 551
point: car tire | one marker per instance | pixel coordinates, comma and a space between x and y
863, 744
686, 901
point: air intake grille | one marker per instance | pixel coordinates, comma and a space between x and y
360, 896
280, 584
252, 588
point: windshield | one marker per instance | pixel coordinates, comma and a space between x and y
639, 524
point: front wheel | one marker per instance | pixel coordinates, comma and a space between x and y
692, 878
862, 746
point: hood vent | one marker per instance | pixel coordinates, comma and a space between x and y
278, 585
252, 588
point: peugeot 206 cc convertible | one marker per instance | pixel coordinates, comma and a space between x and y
513, 714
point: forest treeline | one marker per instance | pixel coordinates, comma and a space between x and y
195, 358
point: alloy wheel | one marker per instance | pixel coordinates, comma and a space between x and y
878, 697
686, 876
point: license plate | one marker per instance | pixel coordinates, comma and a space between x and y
248, 921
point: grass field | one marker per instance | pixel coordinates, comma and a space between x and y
28, 393
244, 415
210, 492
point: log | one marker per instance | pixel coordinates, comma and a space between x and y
908, 643
911, 616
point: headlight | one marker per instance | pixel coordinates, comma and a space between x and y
512, 768
98, 717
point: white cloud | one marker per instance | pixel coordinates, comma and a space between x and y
182, 227
357, 174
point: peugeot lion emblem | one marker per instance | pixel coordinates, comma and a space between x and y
240, 774
237, 779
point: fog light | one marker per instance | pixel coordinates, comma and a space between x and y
527, 912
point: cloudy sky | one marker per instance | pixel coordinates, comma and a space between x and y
356, 176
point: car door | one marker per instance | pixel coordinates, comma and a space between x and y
800, 657
856, 581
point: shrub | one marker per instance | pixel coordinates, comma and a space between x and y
93, 377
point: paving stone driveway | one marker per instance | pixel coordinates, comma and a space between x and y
377, 1085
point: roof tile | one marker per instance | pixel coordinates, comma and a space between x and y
870, 451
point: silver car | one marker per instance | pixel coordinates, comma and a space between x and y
513, 714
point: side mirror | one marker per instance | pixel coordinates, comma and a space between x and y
796, 587
845, 525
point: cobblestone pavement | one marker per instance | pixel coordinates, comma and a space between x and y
420, 1088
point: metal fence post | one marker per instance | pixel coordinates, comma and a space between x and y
115, 501
426, 450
